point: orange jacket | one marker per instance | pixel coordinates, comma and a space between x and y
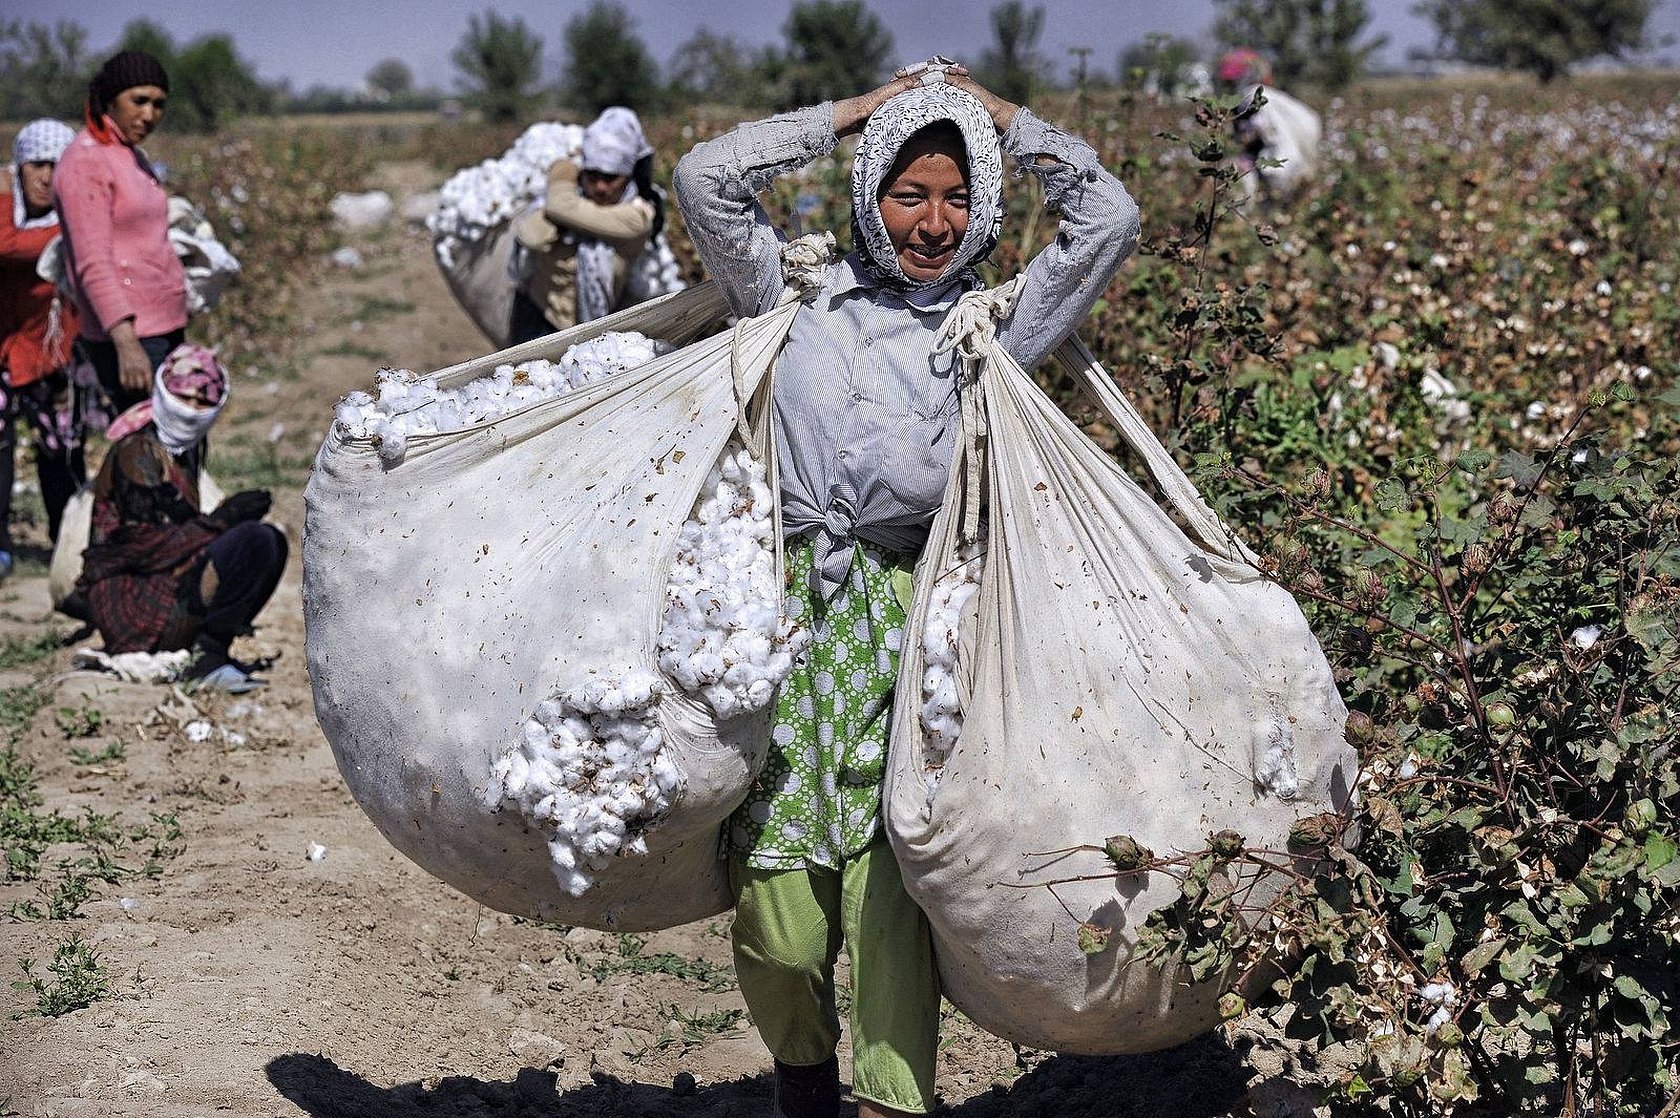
26, 305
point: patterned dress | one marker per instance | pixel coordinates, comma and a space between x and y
817, 800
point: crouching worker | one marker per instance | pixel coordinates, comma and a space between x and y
866, 413
159, 574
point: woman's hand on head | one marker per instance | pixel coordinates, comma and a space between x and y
850, 114
1002, 112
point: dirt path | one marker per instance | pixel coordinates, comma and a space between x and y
247, 980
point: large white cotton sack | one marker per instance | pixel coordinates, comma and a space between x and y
477, 275
451, 590
1123, 680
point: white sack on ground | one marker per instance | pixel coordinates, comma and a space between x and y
1123, 680
450, 593
367, 209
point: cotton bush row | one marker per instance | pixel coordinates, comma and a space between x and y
591, 771
942, 717
479, 198
723, 636
404, 404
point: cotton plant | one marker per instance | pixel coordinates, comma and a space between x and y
480, 198
404, 404
942, 701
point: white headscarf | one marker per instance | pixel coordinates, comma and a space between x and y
39, 141
884, 135
614, 142
182, 425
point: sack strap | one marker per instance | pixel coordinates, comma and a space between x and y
970, 331
1077, 360
804, 261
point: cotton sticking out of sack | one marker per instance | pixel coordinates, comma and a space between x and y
478, 199
942, 699
404, 404
589, 771
724, 638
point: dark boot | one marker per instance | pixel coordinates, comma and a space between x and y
808, 1092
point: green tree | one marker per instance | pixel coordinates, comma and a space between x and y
44, 69
606, 63
499, 60
1542, 37
712, 67
1310, 41
835, 49
1163, 65
1011, 66
391, 77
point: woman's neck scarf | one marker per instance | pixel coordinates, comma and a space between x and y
612, 145
187, 373
884, 135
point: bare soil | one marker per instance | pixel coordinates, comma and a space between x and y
248, 980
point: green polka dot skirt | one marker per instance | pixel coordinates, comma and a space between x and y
817, 801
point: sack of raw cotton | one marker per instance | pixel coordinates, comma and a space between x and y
209, 266
472, 226
1086, 669
472, 229
543, 612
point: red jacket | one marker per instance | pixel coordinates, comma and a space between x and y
115, 215
26, 304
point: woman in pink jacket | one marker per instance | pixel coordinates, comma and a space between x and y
130, 287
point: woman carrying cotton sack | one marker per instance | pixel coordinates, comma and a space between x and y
865, 416
600, 213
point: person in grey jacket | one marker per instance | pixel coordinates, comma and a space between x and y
865, 415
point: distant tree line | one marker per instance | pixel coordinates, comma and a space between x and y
830, 48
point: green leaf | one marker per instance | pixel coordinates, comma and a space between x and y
1519, 467
1391, 495
1481, 955
1660, 851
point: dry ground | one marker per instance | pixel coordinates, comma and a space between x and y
247, 980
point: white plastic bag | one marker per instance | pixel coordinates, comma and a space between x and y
1119, 678
1290, 132
209, 266
449, 592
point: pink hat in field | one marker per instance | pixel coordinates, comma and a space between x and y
1244, 66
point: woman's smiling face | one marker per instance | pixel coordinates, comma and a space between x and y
924, 204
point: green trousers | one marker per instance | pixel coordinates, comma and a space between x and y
789, 925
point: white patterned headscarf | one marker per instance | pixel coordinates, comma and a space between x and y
884, 135
614, 142
39, 141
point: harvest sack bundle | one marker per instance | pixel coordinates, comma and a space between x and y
1290, 132
1086, 670
473, 236
505, 622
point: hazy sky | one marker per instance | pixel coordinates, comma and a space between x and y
336, 42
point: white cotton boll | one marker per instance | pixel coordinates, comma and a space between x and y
1586, 636
404, 404
942, 702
